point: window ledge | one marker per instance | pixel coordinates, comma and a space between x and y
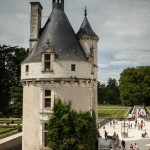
47, 71
46, 148
46, 112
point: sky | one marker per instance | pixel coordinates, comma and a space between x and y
123, 27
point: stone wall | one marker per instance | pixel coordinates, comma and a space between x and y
61, 69
11, 144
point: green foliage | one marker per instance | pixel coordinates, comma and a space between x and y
1, 114
20, 129
68, 129
10, 59
135, 86
101, 93
110, 93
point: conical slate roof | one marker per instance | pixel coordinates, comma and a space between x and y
61, 36
86, 29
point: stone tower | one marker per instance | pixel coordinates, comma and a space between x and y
61, 64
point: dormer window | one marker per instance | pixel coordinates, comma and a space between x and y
48, 57
47, 62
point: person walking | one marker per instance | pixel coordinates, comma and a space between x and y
136, 146
131, 147
123, 144
106, 134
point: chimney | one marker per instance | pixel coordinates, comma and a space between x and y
35, 23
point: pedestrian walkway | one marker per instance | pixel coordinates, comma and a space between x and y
134, 135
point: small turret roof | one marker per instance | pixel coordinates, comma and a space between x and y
86, 29
61, 36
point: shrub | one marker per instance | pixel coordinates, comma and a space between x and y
20, 129
68, 129
1, 115
12, 122
7, 123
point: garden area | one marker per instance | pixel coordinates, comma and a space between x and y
113, 111
10, 126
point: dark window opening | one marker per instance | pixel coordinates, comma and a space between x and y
47, 62
73, 67
27, 68
45, 135
47, 98
47, 92
47, 102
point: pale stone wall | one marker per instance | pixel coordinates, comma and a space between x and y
61, 69
31, 117
34, 115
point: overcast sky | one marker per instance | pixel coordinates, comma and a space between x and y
123, 27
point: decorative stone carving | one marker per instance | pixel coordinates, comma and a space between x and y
48, 48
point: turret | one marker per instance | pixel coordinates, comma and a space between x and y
88, 39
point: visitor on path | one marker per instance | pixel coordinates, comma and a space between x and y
131, 147
106, 134
123, 144
114, 136
136, 147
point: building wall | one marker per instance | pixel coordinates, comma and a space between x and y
34, 114
31, 118
61, 69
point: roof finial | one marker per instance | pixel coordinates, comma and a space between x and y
85, 14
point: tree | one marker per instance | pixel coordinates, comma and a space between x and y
101, 90
112, 92
68, 129
109, 93
135, 86
10, 59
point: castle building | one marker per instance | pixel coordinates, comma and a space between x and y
60, 64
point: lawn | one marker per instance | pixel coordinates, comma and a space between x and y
11, 122
113, 111
2, 129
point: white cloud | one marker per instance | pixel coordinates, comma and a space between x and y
131, 58
122, 26
101, 66
21, 16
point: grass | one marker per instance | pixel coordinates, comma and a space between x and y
113, 111
3, 129
8, 121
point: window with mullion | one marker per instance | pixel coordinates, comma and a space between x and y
47, 62
45, 135
47, 99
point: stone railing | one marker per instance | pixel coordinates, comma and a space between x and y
11, 143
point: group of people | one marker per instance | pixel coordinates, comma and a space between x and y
136, 124
115, 137
138, 112
132, 147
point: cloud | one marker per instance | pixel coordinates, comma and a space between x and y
101, 66
122, 26
131, 58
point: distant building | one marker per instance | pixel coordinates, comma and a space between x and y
61, 64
